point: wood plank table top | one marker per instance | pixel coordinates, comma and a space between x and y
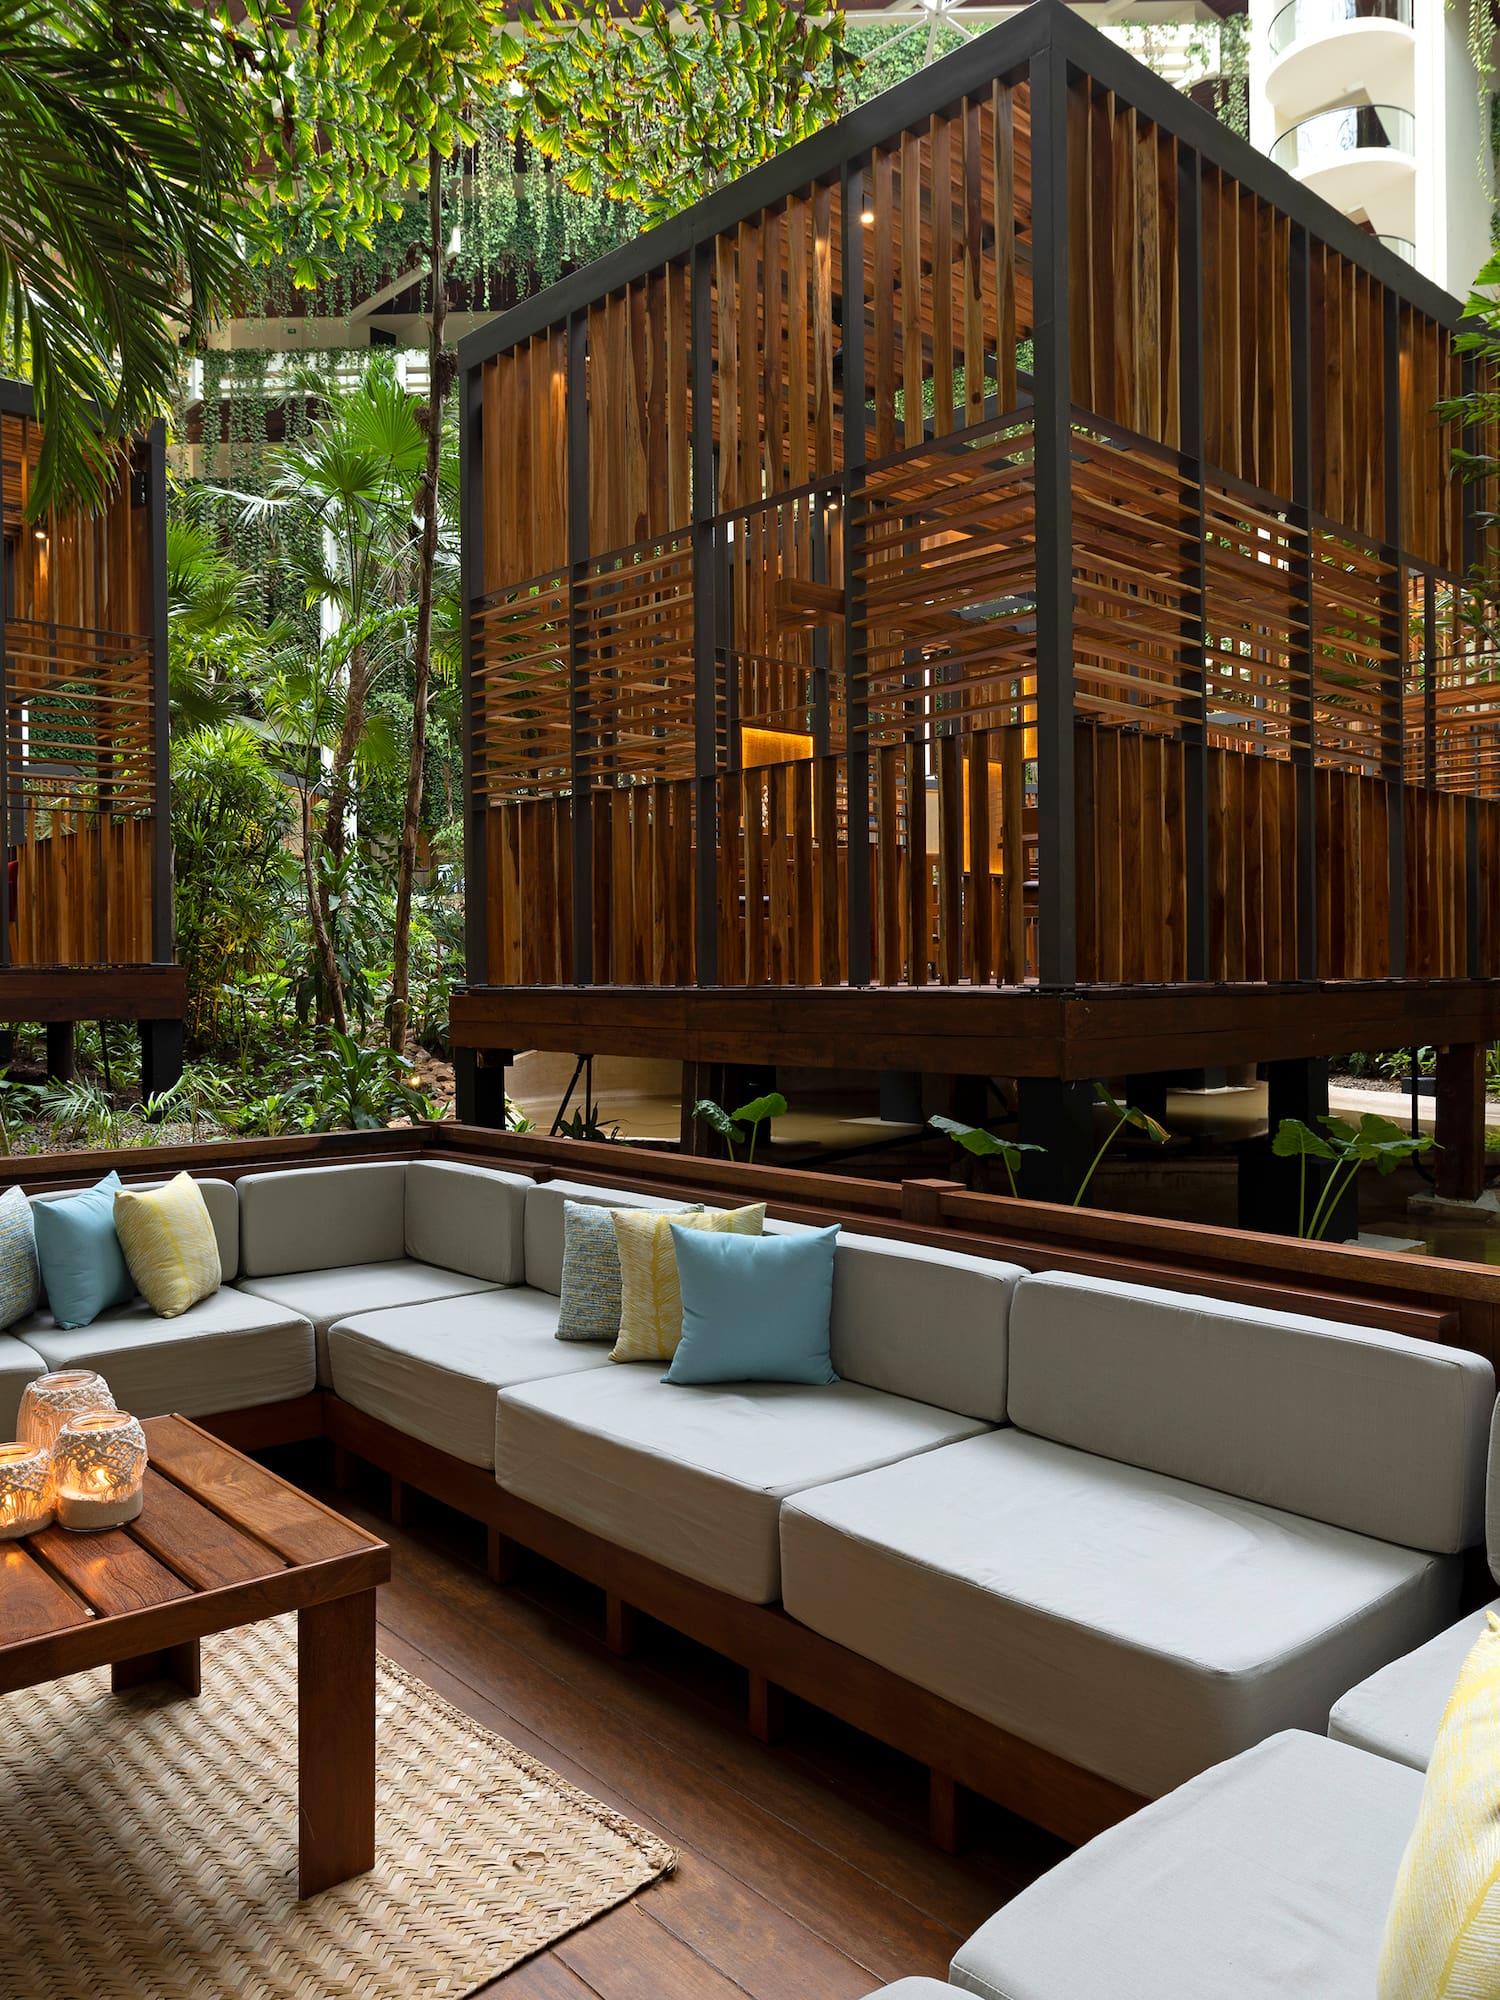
219, 1542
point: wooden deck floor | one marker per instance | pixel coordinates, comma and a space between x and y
806, 1873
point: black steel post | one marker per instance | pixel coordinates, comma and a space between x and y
1057, 948
578, 555
857, 694
1394, 637
705, 624
471, 577
1301, 653
1194, 722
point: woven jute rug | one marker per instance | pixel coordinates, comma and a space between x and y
148, 1844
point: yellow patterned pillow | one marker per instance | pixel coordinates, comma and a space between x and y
169, 1243
650, 1296
1442, 1936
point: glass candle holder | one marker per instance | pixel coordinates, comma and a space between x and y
25, 1490
98, 1468
51, 1400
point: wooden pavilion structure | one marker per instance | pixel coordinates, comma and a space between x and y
86, 898
981, 596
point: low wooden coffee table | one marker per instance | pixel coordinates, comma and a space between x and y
220, 1542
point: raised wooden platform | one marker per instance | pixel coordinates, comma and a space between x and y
92, 993
1020, 1031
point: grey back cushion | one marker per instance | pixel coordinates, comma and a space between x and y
923, 1323
469, 1219
544, 1224
1492, 1498
320, 1218
1350, 1425
219, 1198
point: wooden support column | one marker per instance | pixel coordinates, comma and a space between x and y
161, 1056
766, 1709
479, 1086
619, 1624
1460, 1121
1300, 654
1058, 915
1393, 621
59, 1051
1058, 1116
1195, 606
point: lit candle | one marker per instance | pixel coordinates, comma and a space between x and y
98, 1469
49, 1401
25, 1490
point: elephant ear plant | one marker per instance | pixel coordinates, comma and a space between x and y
730, 1125
1374, 1141
982, 1145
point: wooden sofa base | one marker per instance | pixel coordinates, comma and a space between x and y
779, 1655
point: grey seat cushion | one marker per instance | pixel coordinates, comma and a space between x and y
324, 1296
228, 1352
19, 1364
433, 1371
1267, 1878
1136, 1625
1348, 1424
468, 1219
695, 1477
1396, 1712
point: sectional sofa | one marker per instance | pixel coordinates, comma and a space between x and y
1270, 1874
1070, 1542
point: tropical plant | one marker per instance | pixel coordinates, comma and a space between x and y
1374, 1141
730, 1125
1123, 1114
586, 1122
982, 1145
659, 106
213, 636
123, 153
348, 1087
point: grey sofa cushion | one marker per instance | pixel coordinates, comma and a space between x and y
1492, 1497
313, 1218
694, 1477
228, 1352
1134, 1624
468, 1219
19, 1364
922, 1323
220, 1198
1396, 1712
544, 1223
1267, 1878
325, 1296
1347, 1424
914, 1989
433, 1372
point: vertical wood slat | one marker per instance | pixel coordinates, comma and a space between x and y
884, 232
912, 287
941, 161
973, 262
1005, 243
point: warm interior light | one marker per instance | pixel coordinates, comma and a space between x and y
867, 217
25, 1490
98, 1470
52, 1400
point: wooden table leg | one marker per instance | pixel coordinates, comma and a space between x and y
172, 1663
336, 1741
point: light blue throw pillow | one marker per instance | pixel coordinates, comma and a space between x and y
20, 1286
83, 1266
754, 1308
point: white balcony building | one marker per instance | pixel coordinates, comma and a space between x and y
1375, 104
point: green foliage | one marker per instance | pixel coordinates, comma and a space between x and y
658, 107
730, 1125
1374, 1141
1123, 1114
122, 162
982, 1145
584, 1123
348, 1087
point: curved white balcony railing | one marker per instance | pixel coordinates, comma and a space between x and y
1303, 20
1328, 138
1312, 46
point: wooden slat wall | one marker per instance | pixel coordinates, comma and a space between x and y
1247, 404
1348, 373
83, 895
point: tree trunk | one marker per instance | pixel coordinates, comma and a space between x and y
321, 938
437, 395
356, 701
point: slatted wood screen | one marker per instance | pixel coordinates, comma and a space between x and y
80, 735
793, 669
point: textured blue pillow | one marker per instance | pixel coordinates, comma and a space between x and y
20, 1287
83, 1266
754, 1308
